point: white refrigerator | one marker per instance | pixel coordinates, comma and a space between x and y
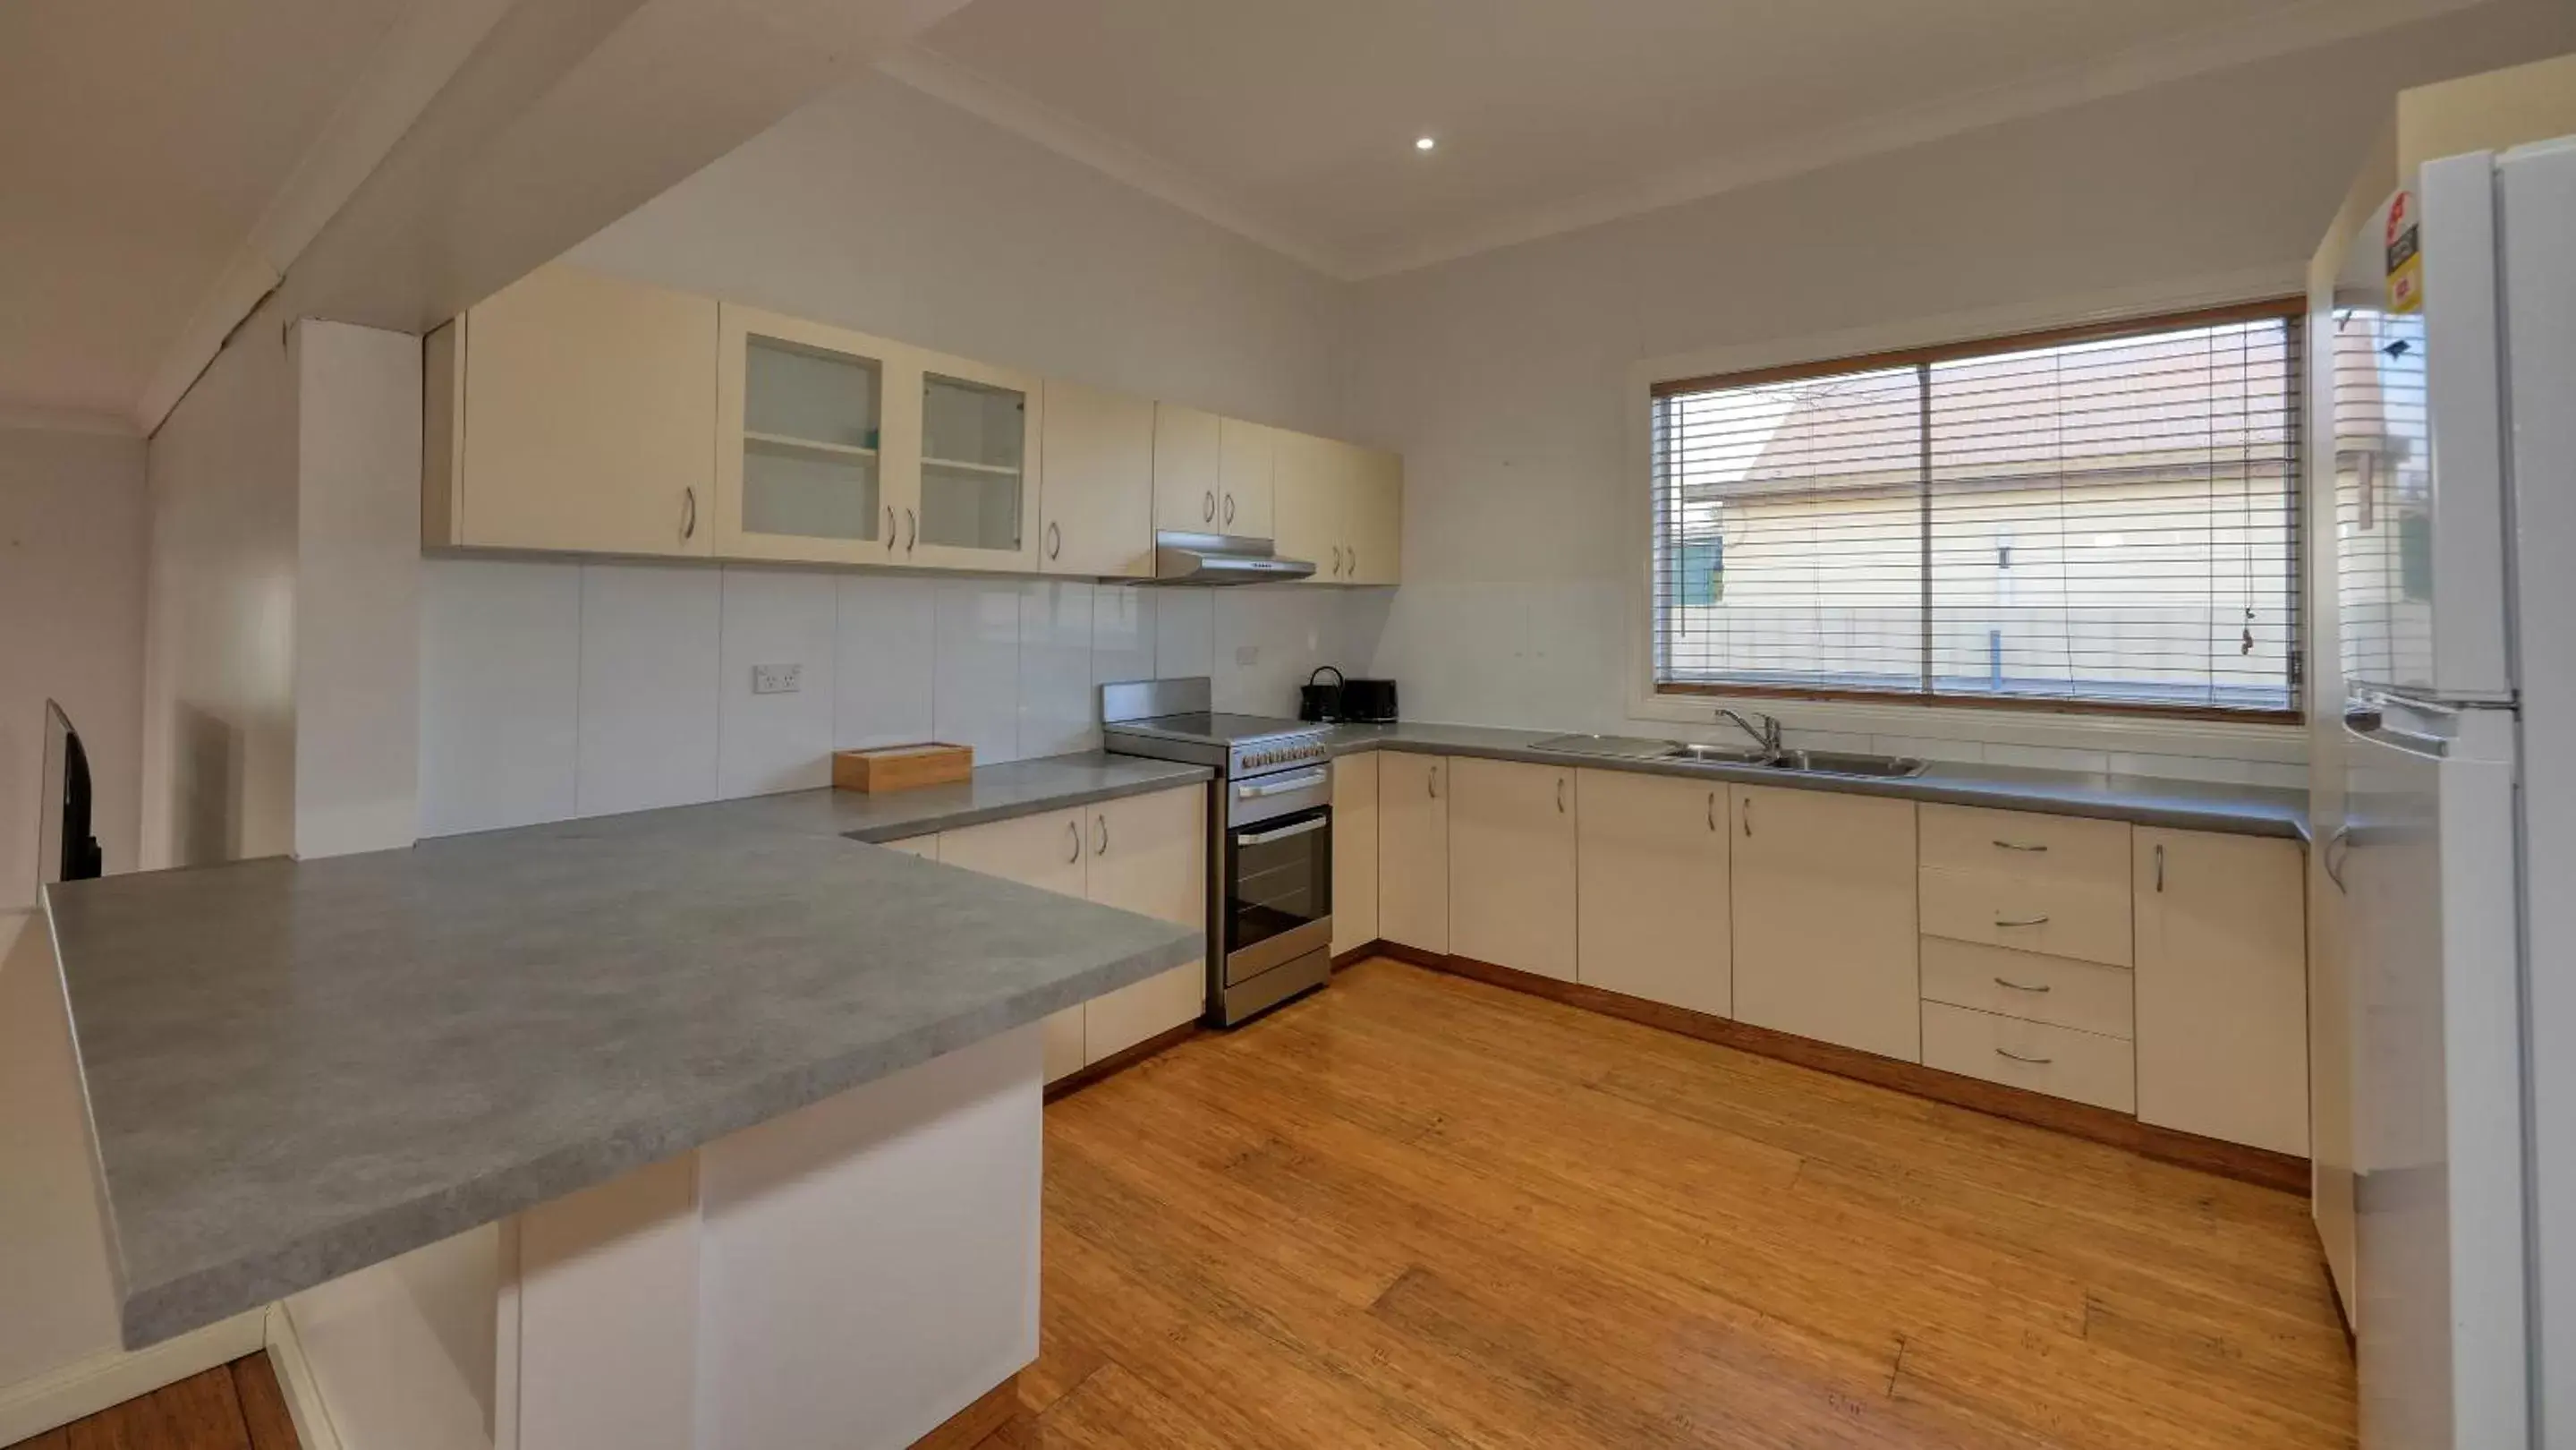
2453, 405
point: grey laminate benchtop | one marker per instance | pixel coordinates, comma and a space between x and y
2181, 804
298, 1069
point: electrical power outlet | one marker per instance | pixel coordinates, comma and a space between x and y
777, 679
1247, 655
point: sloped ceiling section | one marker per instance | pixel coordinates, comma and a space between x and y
168, 166
1295, 124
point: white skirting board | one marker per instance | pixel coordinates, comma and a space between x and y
92, 1383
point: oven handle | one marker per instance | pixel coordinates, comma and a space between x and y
1264, 838
1303, 780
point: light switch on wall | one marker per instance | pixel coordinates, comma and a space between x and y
777, 679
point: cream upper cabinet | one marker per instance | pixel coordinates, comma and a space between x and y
1651, 900
1097, 506
1355, 851
1823, 887
1247, 462
572, 411
1148, 855
1511, 865
1373, 534
813, 460
1188, 448
980, 466
1413, 850
1049, 851
2222, 987
1310, 502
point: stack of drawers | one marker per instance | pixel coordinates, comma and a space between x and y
2027, 951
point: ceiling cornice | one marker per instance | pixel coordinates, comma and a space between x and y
979, 95
2281, 31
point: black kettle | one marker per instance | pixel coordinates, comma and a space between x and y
1317, 701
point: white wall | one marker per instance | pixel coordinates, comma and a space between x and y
357, 588
71, 628
551, 689
883, 209
1507, 380
219, 645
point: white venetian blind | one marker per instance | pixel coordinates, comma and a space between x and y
2105, 519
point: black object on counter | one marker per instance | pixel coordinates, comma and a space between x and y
1319, 701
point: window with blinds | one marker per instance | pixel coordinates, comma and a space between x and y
2104, 518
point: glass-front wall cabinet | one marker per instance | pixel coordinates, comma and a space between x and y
979, 474
809, 465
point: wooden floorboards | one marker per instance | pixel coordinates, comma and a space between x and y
234, 1406
1420, 1211
1415, 1210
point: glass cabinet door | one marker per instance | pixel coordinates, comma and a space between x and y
802, 446
978, 467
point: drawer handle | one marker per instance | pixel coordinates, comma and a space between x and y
2017, 1057
2021, 921
2020, 986
2001, 845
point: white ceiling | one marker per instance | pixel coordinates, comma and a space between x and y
1294, 123
140, 143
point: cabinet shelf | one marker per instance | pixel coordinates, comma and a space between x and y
808, 445
997, 470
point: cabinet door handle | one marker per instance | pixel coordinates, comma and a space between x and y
1055, 541
2020, 986
2160, 869
2338, 847
1207, 510
889, 528
1073, 830
1748, 817
1101, 847
689, 513
1712, 810
1355, 561
2017, 1057
1431, 782
1229, 508
1560, 795
911, 530
1337, 561
2021, 921
2017, 846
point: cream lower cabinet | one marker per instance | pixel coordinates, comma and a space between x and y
1651, 908
1355, 852
2222, 987
1046, 851
1823, 900
572, 412
1413, 850
1146, 854
1149, 856
1511, 865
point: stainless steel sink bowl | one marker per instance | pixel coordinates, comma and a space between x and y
1837, 762
1715, 754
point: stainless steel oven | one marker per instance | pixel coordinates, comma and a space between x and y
1270, 849
1274, 886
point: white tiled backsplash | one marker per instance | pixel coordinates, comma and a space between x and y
551, 690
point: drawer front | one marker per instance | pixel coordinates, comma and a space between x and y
2026, 843
2086, 996
2060, 916
2058, 1061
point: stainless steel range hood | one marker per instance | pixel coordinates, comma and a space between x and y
1181, 558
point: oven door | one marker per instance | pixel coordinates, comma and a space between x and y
1278, 888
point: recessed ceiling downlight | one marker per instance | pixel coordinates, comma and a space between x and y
1424, 143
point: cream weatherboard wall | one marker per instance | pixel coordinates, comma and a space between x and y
1507, 379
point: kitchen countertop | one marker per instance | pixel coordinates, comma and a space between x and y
2181, 804
298, 1069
